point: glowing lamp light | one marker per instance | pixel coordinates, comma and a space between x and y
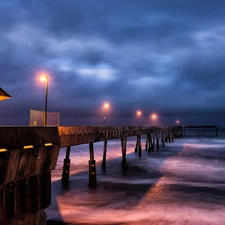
138, 113
105, 107
43, 78
177, 121
154, 116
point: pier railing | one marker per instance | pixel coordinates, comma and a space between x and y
76, 135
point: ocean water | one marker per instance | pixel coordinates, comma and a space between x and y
181, 184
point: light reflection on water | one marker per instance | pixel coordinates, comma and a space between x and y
183, 183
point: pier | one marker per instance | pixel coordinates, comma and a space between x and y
200, 130
29, 154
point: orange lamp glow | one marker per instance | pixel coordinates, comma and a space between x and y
43, 78
138, 113
106, 105
154, 116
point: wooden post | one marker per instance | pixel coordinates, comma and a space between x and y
169, 138
123, 147
172, 135
157, 140
139, 145
148, 143
104, 155
136, 147
163, 138
151, 142
92, 167
66, 167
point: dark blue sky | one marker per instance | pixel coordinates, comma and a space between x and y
162, 56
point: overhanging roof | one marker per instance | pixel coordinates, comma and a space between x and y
4, 95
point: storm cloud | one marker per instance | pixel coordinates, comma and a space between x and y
159, 56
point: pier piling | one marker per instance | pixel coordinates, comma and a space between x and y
66, 167
92, 167
104, 155
123, 147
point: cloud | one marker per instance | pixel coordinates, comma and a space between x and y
164, 56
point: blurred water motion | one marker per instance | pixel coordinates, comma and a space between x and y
182, 184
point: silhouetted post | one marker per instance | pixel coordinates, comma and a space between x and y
66, 167
123, 147
104, 154
157, 140
92, 167
163, 138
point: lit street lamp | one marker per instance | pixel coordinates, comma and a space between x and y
138, 115
45, 79
154, 117
105, 107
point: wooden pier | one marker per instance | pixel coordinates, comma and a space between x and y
200, 130
28, 154
71, 136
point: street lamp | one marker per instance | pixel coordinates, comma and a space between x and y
105, 107
154, 117
138, 115
44, 78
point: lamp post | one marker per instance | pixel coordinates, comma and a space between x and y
45, 78
106, 106
138, 115
154, 117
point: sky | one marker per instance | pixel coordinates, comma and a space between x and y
157, 56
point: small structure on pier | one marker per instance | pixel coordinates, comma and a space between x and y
4, 95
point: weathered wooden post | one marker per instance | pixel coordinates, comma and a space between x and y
163, 138
66, 167
138, 145
92, 167
147, 145
168, 135
104, 155
124, 147
157, 140
153, 140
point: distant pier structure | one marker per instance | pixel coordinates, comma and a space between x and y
200, 130
29, 154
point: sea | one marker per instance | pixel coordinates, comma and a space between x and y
183, 183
